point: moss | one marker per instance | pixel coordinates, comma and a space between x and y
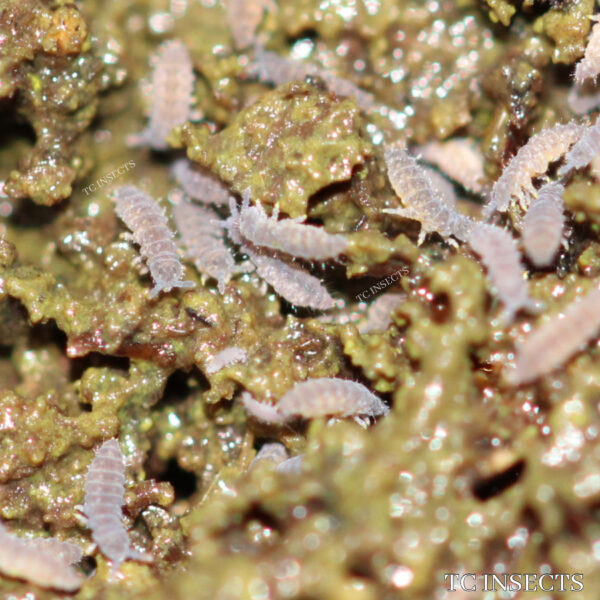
55, 72
502, 11
317, 142
465, 472
568, 28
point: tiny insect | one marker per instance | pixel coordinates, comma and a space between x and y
144, 217
543, 224
289, 280
589, 66
551, 345
225, 358
171, 94
330, 396
319, 398
288, 235
422, 201
583, 151
104, 497
244, 16
65, 551
532, 160
202, 241
379, 313
441, 185
459, 159
45, 563
200, 186
291, 466
271, 451
272, 68
261, 411
582, 102
344, 313
499, 254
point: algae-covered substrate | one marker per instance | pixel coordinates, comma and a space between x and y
467, 474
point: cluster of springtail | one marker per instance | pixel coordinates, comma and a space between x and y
273, 246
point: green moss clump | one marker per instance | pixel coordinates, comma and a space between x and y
466, 472
501, 10
55, 69
291, 143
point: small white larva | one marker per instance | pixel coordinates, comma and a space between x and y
532, 160
543, 224
550, 345
290, 281
200, 186
582, 102
272, 68
459, 159
171, 92
288, 235
261, 411
291, 466
320, 397
46, 565
379, 312
330, 396
271, 451
583, 151
144, 217
65, 551
202, 241
441, 185
244, 16
589, 66
422, 200
104, 497
499, 254
225, 358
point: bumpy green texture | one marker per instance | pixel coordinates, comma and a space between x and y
259, 150
465, 474
55, 70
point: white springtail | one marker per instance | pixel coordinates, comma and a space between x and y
421, 199
227, 357
499, 254
202, 241
171, 94
44, 562
532, 160
144, 217
319, 397
552, 344
104, 497
543, 224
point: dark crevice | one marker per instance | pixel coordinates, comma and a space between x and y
88, 565
180, 386
487, 488
97, 360
27, 214
47, 333
184, 483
